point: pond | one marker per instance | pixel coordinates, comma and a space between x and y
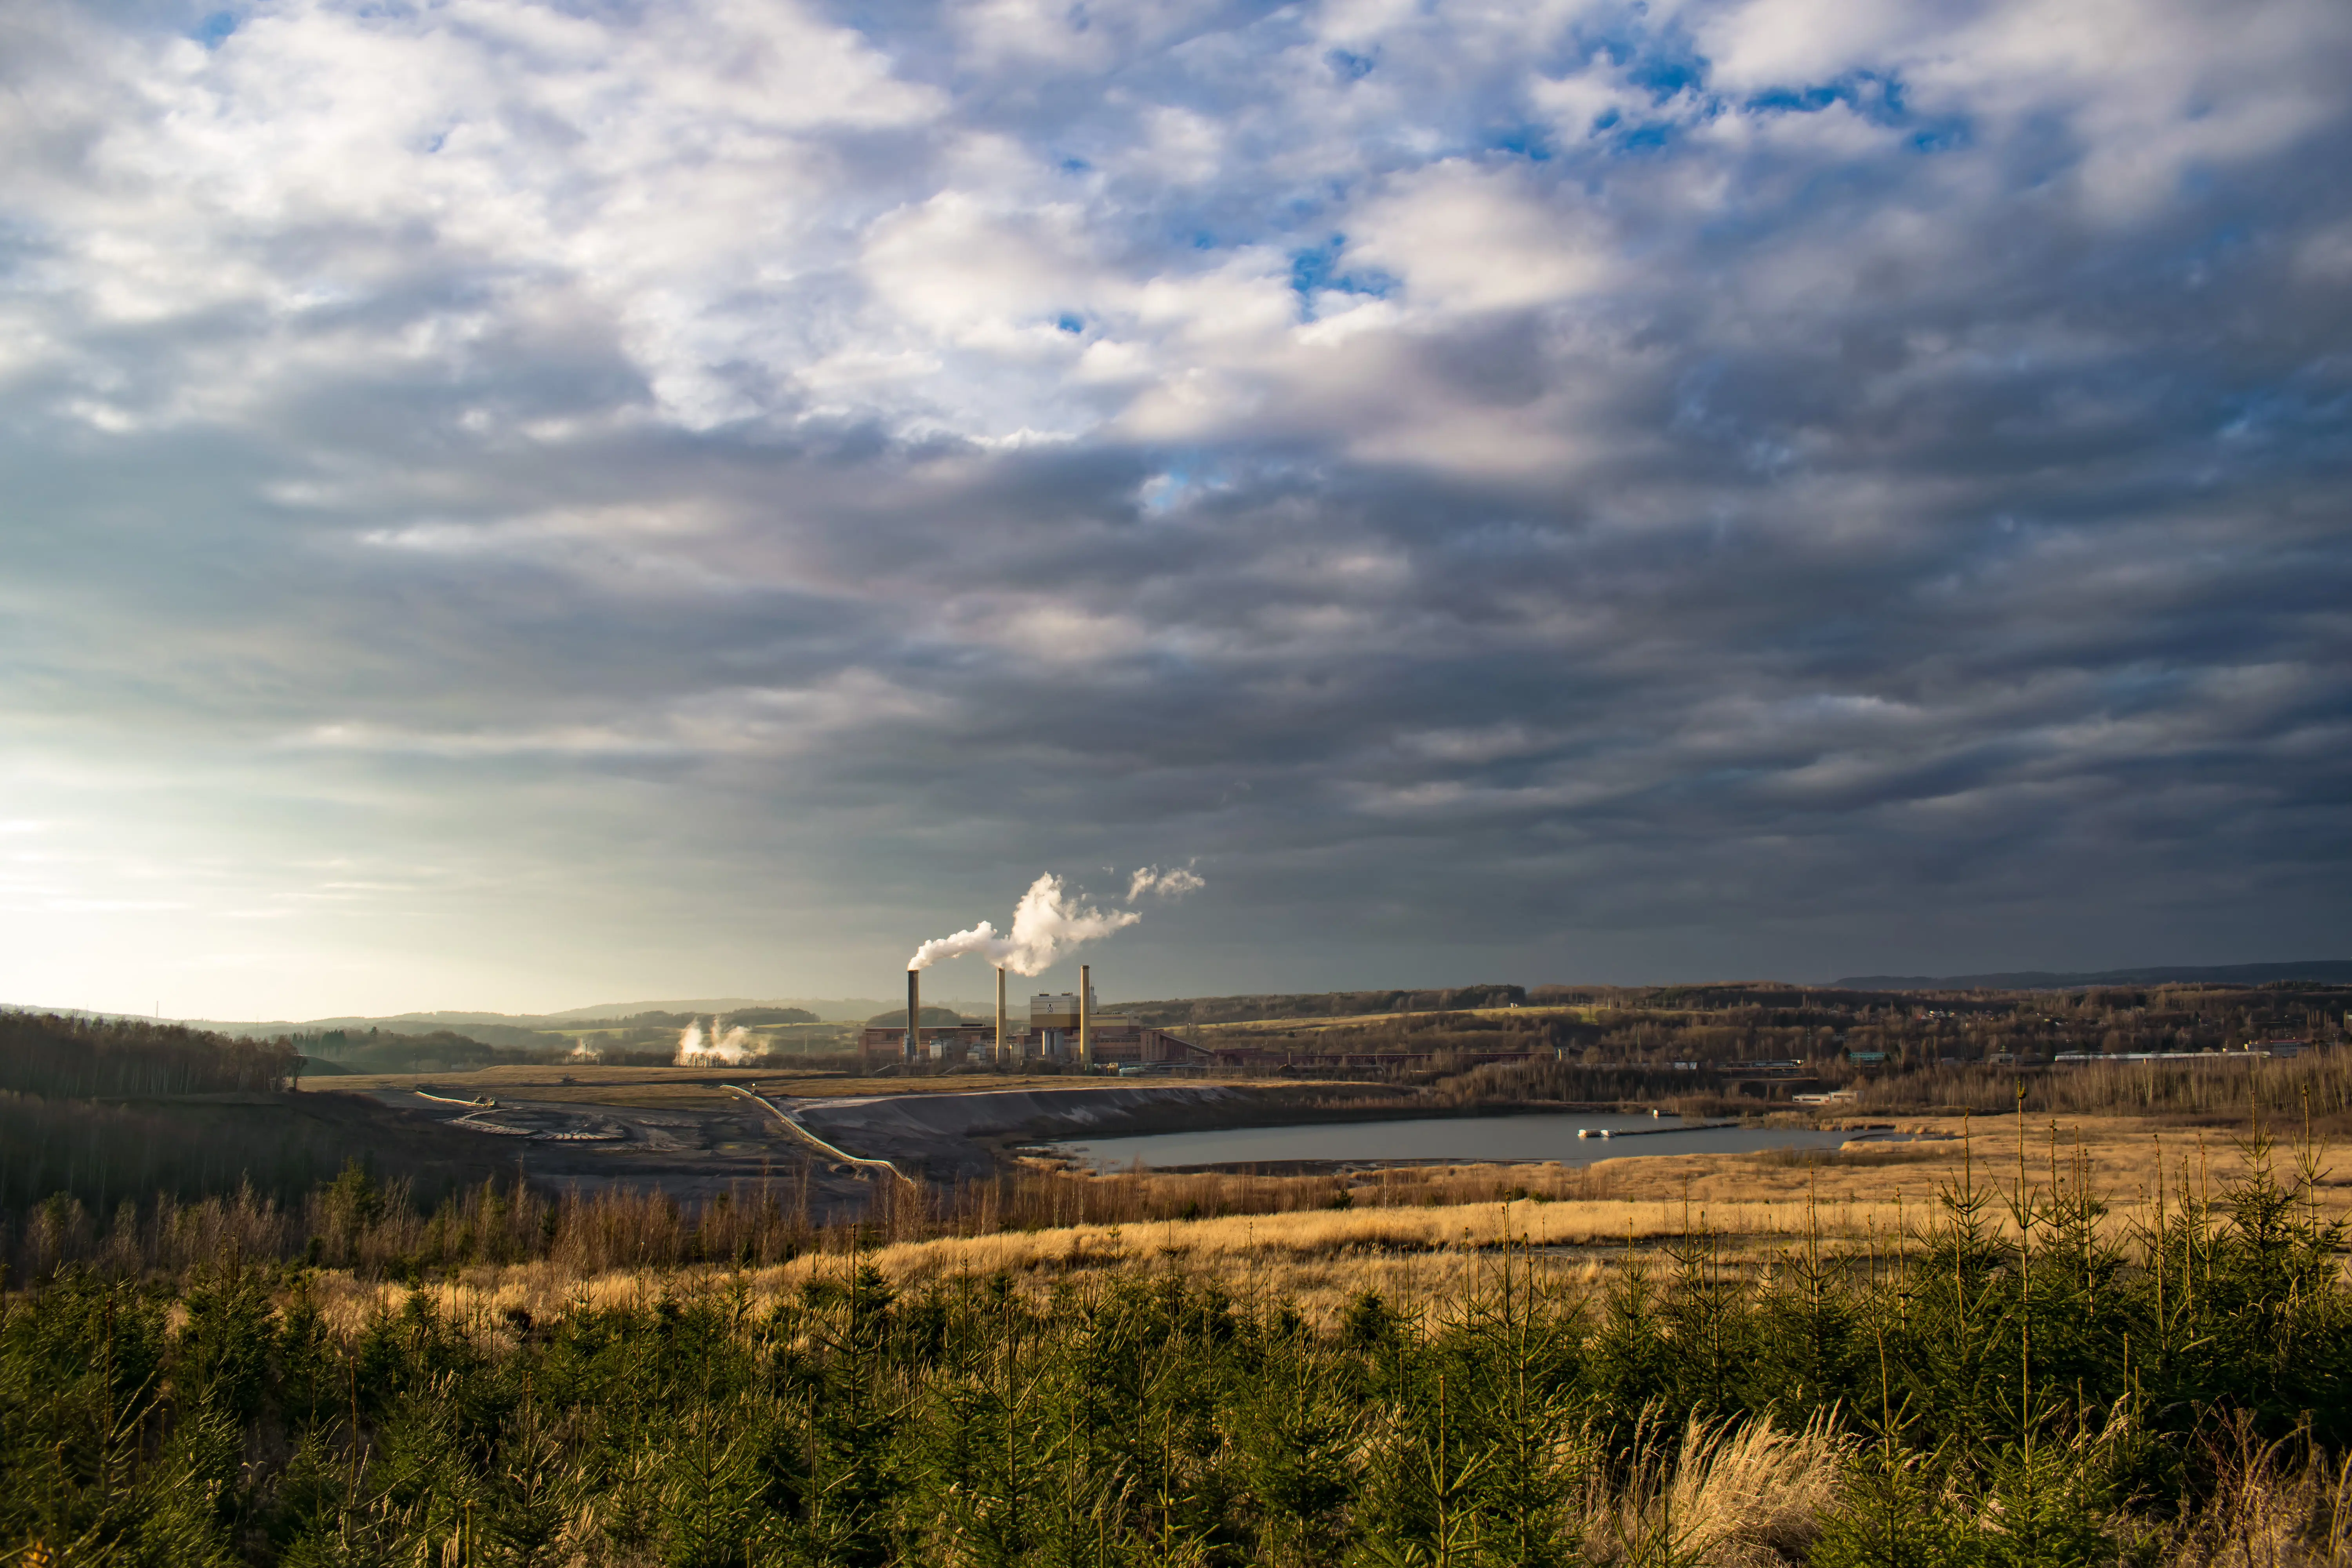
1464, 1139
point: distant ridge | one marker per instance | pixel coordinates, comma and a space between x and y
854, 1009
834, 1009
2332, 971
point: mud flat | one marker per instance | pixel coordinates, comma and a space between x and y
1079, 1107
948, 1136
689, 1151
692, 1136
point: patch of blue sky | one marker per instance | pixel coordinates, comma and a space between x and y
1532, 142
1613, 133
1951, 136
1070, 323
214, 29
1665, 61
1316, 270
1350, 67
1876, 97
1649, 136
1187, 476
1310, 270
1617, 135
1666, 78
1235, 216
2280, 416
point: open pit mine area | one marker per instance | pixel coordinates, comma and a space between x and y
691, 1149
695, 1133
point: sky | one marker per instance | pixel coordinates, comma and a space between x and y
512, 505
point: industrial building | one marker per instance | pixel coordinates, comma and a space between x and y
1062, 1027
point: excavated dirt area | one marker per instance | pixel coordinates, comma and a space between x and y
697, 1137
944, 1137
695, 1150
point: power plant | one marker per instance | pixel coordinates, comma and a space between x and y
1064, 1027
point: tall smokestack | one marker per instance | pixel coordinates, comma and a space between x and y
1001, 1055
1086, 1017
914, 1014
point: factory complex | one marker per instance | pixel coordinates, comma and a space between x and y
1063, 1027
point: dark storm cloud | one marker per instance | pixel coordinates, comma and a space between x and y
629, 495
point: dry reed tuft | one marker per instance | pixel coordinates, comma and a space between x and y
1727, 1495
2272, 1506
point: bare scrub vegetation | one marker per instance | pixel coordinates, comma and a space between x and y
2216, 1089
1717, 1039
379, 1232
2319, 1082
1036, 1210
2014, 1382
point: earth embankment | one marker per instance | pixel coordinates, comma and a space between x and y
949, 1136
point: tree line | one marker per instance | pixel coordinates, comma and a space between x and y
62, 1056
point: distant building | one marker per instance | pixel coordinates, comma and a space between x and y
1051, 1034
1053, 1024
939, 1042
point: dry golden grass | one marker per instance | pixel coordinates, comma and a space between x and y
2120, 1156
1319, 1285
1863, 1202
1869, 1188
1724, 1496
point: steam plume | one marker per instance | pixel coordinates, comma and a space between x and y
1048, 923
1172, 883
696, 1049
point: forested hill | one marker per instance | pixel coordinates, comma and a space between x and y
60, 1058
97, 1113
1315, 1004
2325, 970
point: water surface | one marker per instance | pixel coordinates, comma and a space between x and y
1466, 1138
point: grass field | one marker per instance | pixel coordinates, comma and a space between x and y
1579, 1225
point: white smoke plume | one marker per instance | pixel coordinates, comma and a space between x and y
1172, 883
582, 1051
1048, 923
731, 1048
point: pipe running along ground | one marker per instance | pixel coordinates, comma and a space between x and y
802, 1133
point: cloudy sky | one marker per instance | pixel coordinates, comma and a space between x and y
514, 505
